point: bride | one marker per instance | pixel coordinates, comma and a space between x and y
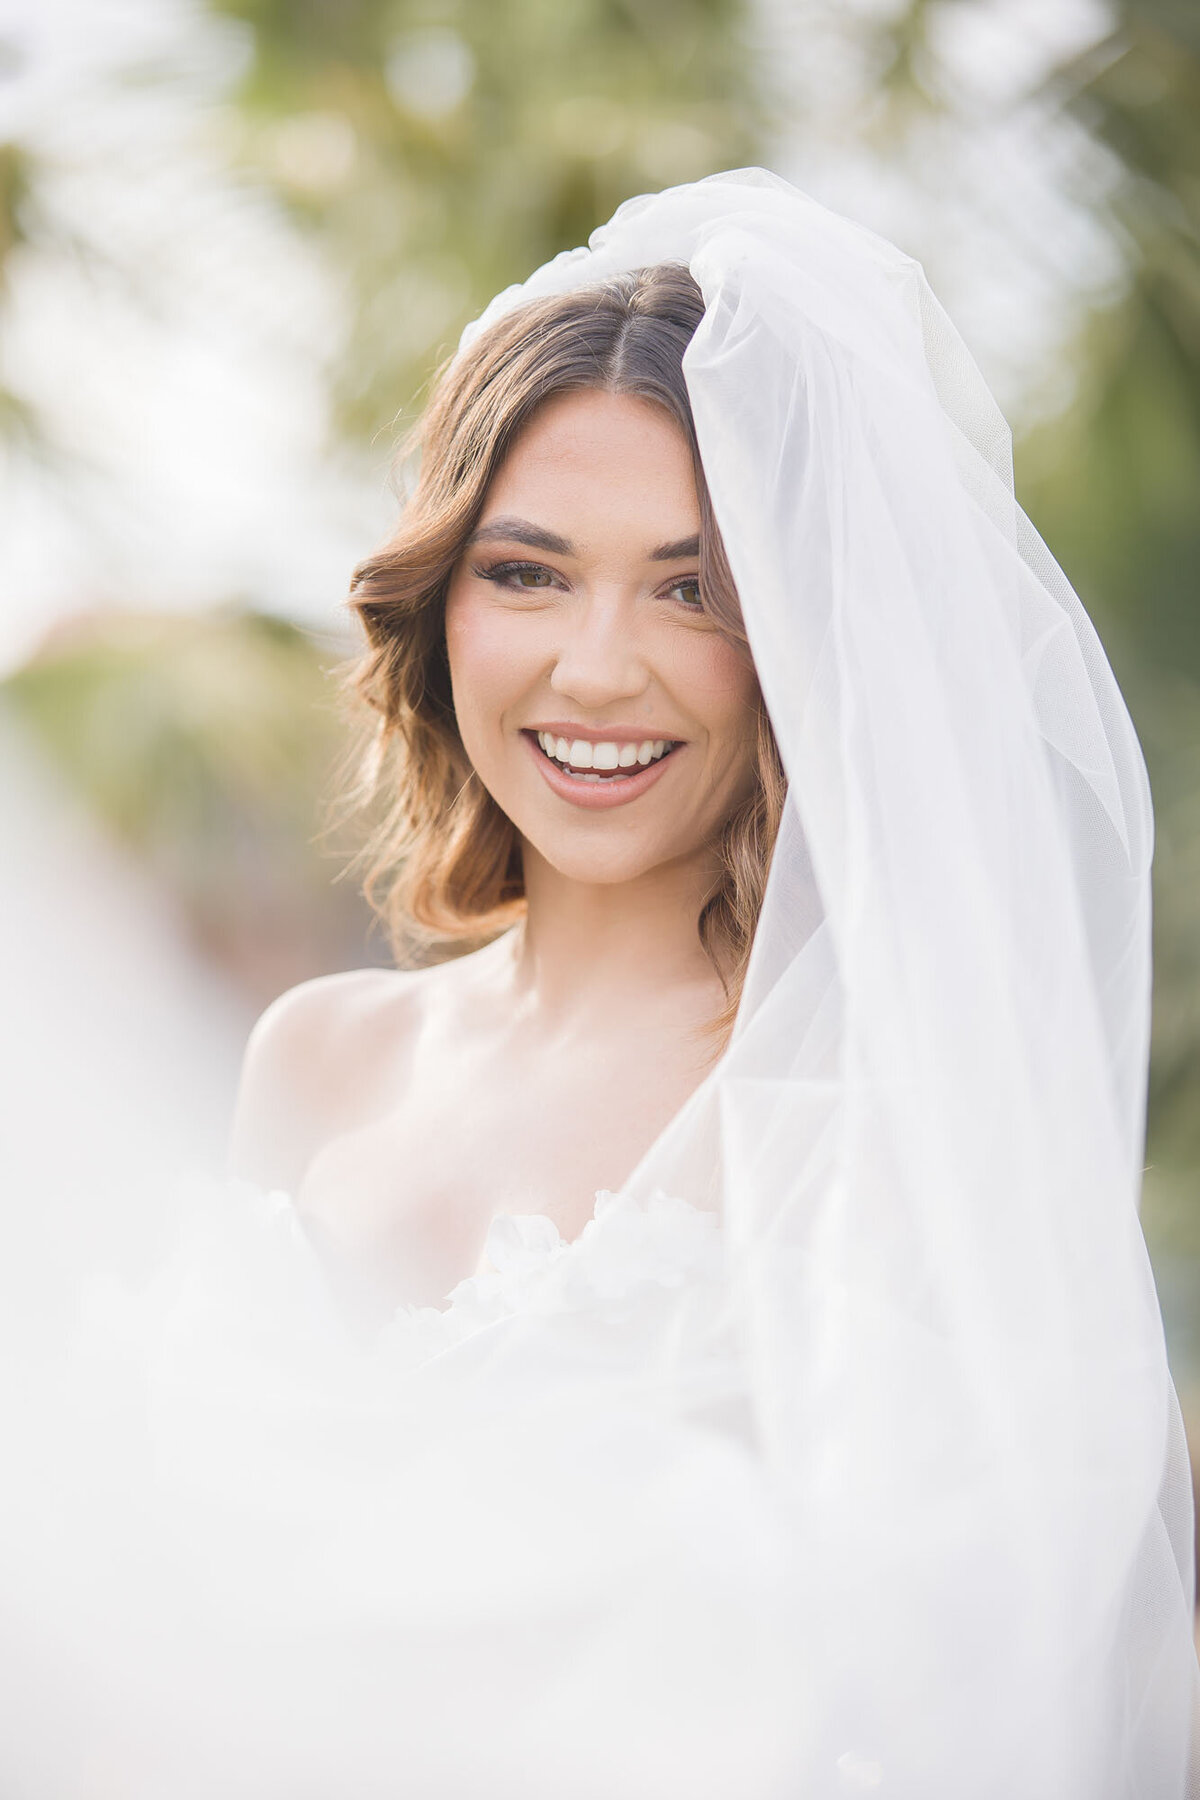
695, 1338
586, 776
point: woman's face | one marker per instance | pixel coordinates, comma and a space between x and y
601, 709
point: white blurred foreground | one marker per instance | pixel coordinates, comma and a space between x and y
248, 1547
119, 1049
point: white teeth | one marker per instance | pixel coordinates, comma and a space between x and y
581, 756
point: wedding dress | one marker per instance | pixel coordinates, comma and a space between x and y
839, 1454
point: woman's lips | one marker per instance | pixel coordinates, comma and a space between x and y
611, 790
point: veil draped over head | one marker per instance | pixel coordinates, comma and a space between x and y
926, 1137
877, 1483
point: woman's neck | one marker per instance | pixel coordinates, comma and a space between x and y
592, 949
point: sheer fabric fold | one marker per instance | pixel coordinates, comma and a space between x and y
929, 1126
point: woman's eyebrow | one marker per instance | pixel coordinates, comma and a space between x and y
688, 546
521, 531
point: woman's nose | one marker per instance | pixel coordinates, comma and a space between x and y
600, 658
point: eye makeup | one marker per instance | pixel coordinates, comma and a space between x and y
508, 574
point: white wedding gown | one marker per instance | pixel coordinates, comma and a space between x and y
269, 1550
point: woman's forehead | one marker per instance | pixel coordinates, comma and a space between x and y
592, 461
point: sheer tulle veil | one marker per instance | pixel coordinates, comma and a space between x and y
840, 1453
926, 1137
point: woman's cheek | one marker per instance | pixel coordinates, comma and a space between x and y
722, 683
493, 658
726, 692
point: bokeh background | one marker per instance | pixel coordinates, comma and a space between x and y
235, 238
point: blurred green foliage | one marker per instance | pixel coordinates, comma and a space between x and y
443, 148
205, 744
1117, 480
1114, 486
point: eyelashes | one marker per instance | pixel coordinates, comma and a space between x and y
508, 575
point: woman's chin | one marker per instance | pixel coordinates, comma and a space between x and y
584, 871
603, 865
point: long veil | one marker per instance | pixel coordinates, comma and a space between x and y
840, 1454
926, 1137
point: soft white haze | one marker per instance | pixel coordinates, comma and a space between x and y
179, 365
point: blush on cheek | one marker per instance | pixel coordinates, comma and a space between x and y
490, 663
721, 677
462, 626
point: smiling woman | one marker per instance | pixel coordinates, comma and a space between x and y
592, 387
581, 773
601, 659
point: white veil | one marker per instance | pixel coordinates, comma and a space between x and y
927, 1134
880, 1488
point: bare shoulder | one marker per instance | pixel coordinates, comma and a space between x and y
317, 1016
309, 1056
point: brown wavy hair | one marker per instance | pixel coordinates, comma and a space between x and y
443, 864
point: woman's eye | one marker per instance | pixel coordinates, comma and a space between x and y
688, 593
518, 575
